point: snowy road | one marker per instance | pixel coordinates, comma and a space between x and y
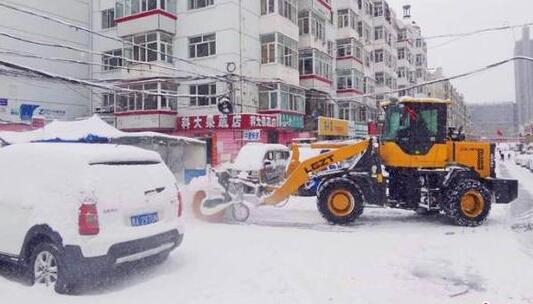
289, 255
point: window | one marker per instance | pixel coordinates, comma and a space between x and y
279, 48
378, 9
280, 96
350, 47
268, 100
368, 85
349, 79
380, 79
130, 7
379, 33
108, 18
152, 46
108, 103
402, 34
287, 9
402, 72
419, 73
378, 56
419, 59
310, 23
138, 101
112, 60
344, 111
267, 6
418, 42
343, 19
401, 53
360, 29
314, 62
331, 48
268, 48
344, 48
206, 94
202, 46
195, 4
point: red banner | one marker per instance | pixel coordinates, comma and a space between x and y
236, 121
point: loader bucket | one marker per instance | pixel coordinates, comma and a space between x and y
213, 214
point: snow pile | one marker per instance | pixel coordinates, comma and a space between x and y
79, 129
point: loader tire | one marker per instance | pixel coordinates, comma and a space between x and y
467, 203
340, 201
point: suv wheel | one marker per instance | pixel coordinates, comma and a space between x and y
48, 269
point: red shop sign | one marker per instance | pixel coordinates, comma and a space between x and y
237, 121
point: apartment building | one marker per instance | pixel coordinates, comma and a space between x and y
412, 56
385, 51
458, 112
291, 68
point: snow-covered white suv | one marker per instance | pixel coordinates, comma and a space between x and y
69, 211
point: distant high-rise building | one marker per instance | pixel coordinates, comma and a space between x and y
524, 78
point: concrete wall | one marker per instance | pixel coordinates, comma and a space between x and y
53, 100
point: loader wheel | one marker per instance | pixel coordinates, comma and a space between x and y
467, 203
340, 201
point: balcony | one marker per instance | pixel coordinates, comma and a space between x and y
139, 16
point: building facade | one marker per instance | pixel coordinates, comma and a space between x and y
524, 79
495, 121
22, 98
289, 68
458, 113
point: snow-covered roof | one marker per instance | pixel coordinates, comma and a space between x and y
79, 129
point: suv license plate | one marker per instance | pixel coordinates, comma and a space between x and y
144, 219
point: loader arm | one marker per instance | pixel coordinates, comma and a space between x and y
300, 174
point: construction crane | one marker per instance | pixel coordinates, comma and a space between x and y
416, 164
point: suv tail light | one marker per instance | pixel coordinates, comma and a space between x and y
180, 204
88, 220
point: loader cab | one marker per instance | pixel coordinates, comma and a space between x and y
415, 125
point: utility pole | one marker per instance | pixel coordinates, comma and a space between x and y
240, 57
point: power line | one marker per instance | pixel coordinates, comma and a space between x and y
77, 49
485, 30
457, 76
52, 76
81, 28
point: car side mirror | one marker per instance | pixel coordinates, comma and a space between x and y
267, 163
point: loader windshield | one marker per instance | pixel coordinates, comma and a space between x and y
415, 127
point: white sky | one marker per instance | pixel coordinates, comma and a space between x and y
457, 16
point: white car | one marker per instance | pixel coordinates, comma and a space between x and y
69, 211
522, 159
529, 163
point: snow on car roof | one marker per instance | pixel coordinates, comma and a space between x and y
251, 155
82, 153
79, 129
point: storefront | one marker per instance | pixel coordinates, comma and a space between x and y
226, 134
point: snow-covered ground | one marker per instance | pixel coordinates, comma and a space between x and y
289, 255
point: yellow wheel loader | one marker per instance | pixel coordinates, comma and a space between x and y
417, 164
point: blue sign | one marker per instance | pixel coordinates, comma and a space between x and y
26, 111
3, 102
252, 135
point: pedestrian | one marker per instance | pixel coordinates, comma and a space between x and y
509, 156
502, 156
